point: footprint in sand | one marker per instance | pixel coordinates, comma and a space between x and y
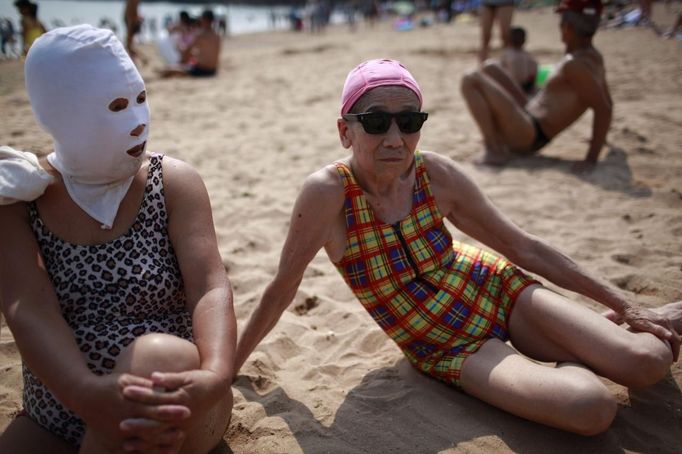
625, 259
307, 305
630, 134
635, 284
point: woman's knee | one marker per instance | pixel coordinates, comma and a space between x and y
158, 352
648, 361
591, 410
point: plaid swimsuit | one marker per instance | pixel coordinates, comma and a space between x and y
439, 300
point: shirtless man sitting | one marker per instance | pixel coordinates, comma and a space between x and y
202, 53
512, 124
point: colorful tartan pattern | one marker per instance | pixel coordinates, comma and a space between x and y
439, 300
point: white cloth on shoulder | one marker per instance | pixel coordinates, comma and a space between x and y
22, 179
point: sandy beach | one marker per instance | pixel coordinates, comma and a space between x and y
327, 379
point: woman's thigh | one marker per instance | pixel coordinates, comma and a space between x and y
549, 327
25, 436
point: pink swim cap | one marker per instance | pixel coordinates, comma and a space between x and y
372, 74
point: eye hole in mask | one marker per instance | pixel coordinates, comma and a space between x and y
120, 104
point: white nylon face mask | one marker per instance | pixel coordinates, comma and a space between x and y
73, 75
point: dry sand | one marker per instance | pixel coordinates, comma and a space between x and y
327, 379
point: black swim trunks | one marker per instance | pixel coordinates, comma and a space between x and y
540, 140
528, 86
198, 71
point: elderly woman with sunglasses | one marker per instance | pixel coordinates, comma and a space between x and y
450, 307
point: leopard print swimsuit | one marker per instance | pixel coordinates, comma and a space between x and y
110, 294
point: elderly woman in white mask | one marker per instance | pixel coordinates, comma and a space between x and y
110, 277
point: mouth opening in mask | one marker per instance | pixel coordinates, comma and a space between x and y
137, 150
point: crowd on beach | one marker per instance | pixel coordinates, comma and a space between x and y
315, 15
113, 287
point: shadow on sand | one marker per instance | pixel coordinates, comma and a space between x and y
613, 172
400, 410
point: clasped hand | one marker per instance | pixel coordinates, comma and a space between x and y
172, 402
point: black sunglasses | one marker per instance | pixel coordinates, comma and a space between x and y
380, 122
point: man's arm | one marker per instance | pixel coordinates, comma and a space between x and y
597, 97
312, 221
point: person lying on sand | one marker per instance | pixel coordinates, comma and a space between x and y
110, 276
450, 307
513, 124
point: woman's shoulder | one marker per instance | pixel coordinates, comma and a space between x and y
181, 179
324, 187
178, 172
326, 179
440, 167
183, 189
449, 182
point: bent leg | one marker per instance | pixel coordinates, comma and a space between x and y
503, 123
496, 72
567, 397
23, 435
548, 327
166, 353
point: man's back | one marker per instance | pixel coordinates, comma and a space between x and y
566, 95
206, 48
522, 67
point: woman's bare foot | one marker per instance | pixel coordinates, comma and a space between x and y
673, 311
